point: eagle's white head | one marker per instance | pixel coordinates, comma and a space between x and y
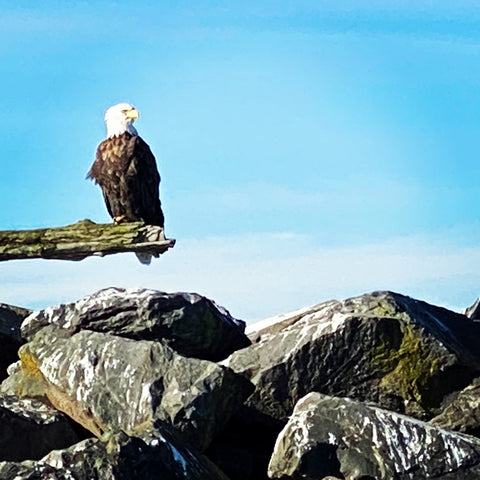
119, 119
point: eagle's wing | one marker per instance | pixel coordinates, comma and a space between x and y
143, 182
126, 171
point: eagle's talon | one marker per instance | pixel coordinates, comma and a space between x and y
120, 219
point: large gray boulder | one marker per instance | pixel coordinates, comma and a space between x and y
148, 456
401, 353
11, 318
462, 411
187, 322
347, 439
29, 429
109, 383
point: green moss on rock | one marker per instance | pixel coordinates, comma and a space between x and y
409, 369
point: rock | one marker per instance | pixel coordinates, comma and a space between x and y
149, 456
265, 329
189, 323
10, 337
462, 412
473, 311
29, 429
347, 439
11, 317
135, 368
109, 383
401, 353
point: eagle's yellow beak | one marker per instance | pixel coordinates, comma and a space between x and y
133, 114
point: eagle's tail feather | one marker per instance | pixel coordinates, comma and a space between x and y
144, 258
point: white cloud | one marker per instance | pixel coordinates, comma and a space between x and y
259, 275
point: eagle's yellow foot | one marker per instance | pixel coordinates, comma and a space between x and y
120, 219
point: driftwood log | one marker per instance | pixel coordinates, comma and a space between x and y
83, 239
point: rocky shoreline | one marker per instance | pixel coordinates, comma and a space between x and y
144, 384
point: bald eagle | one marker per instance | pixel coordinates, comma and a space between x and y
126, 170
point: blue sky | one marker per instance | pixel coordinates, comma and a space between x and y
308, 149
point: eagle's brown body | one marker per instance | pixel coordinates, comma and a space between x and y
126, 171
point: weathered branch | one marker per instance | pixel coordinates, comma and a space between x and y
83, 239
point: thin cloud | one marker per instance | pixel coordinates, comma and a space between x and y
259, 275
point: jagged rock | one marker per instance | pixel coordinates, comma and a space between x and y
11, 317
120, 363
8, 386
189, 323
109, 383
29, 429
149, 456
473, 311
10, 337
403, 354
347, 439
462, 412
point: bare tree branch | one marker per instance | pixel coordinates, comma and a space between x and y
83, 239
